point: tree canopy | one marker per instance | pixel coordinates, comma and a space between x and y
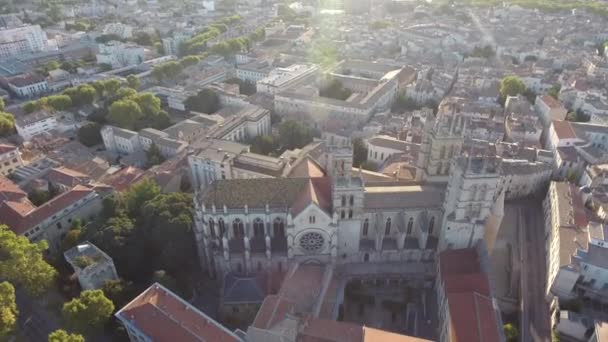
511, 86
7, 124
8, 309
88, 311
59, 102
89, 134
81, 95
264, 144
154, 156
335, 90
124, 113
511, 333
206, 101
359, 152
63, 336
22, 263
133, 82
293, 134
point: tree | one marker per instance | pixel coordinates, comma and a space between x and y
81, 95
125, 92
2, 105
120, 292
88, 311
59, 102
7, 124
206, 101
39, 197
165, 280
140, 193
148, 102
511, 86
124, 113
154, 156
294, 135
189, 61
22, 262
335, 90
71, 239
31, 106
89, 134
404, 103
359, 152
511, 332
264, 144
8, 309
63, 336
111, 86
133, 82
554, 91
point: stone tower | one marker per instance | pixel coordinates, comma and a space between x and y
442, 140
347, 192
470, 201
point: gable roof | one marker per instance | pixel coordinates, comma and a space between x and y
68, 177
276, 192
163, 316
9, 191
5, 148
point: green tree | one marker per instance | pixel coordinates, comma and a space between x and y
111, 86
2, 105
125, 92
89, 134
133, 82
511, 86
359, 152
293, 134
154, 156
264, 144
63, 336
55, 13
189, 61
8, 309
554, 91
335, 90
206, 101
72, 238
32, 106
511, 332
139, 193
124, 113
22, 262
88, 311
7, 124
60, 102
81, 95
166, 280
120, 292
99, 88
39, 197
148, 102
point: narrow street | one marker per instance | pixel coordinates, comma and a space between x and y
534, 318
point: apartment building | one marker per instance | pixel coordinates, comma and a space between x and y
10, 159
35, 123
27, 86
21, 40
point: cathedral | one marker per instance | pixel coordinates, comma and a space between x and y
247, 226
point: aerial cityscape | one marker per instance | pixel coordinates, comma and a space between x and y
304, 171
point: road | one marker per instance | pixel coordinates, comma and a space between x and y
534, 316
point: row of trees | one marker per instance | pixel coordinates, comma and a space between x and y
7, 121
172, 70
292, 134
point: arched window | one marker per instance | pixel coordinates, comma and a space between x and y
351, 200
483, 192
365, 227
431, 225
366, 257
220, 224
387, 229
237, 228
211, 228
350, 213
343, 200
258, 228
410, 224
278, 228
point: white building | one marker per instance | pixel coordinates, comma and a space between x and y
22, 40
549, 109
280, 79
119, 54
36, 123
380, 148
119, 29
93, 267
254, 71
171, 45
28, 85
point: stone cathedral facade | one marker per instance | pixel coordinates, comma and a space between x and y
267, 224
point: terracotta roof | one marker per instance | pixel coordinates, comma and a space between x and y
458, 261
68, 177
324, 330
376, 335
6, 148
317, 191
551, 102
564, 130
306, 167
9, 191
472, 318
20, 220
25, 80
163, 316
124, 178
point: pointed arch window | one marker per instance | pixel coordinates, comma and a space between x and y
238, 229
387, 228
365, 227
221, 226
410, 225
258, 228
211, 228
278, 228
431, 225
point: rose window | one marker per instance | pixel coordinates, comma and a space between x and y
312, 242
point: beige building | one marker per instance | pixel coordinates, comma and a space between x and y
10, 159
